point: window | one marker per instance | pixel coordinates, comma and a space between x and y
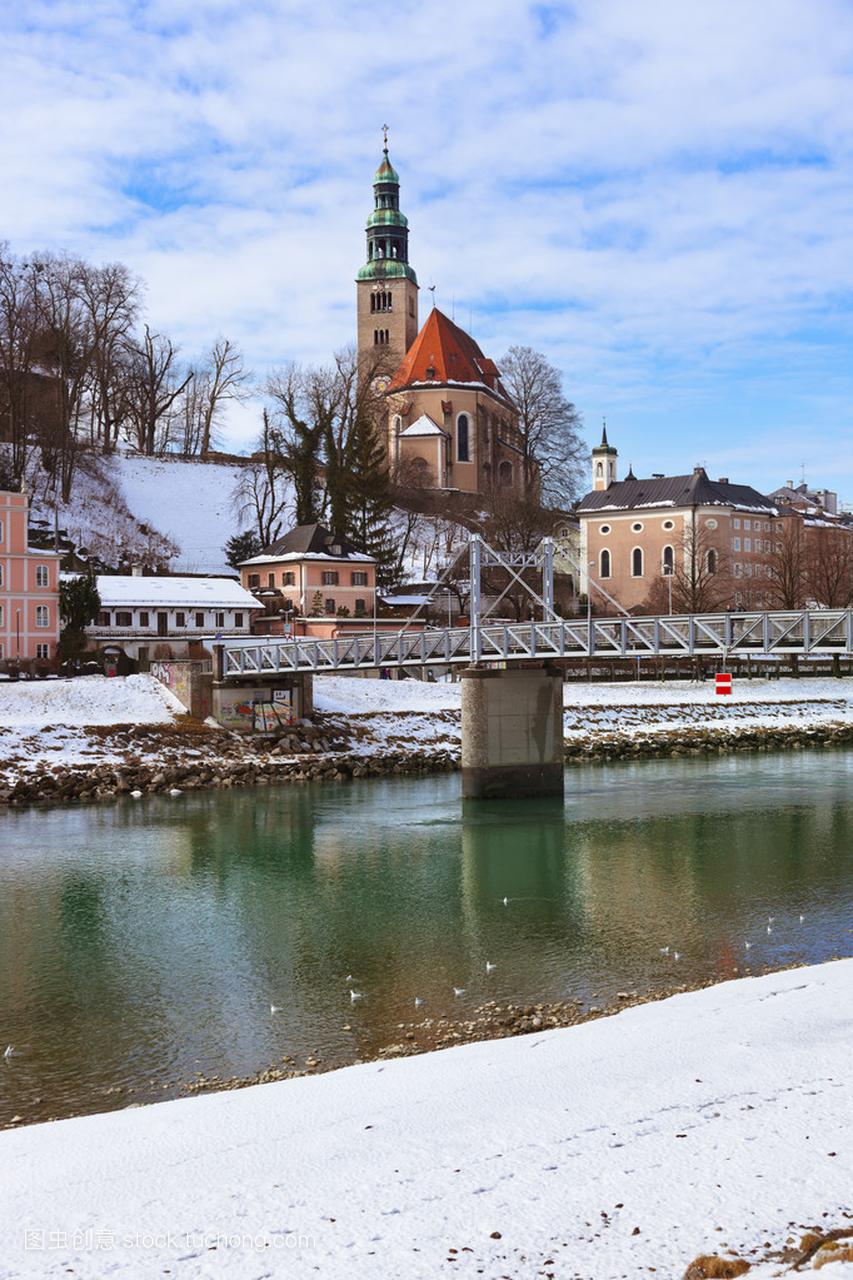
42, 615
359, 607
219, 620
738, 569
1, 653
711, 561
238, 619
43, 651
747, 542
736, 523
462, 454
288, 579
105, 618
747, 524
330, 577
330, 606
359, 578
604, 564
199, 619
668, 524
254, 579
637, 562
735, 544
605, 528
143, 618
505, 473
599, 469
270, 579
637, 527
396, 424
1, 575
1, 530
180, 619
1, 615
668, 561
710, 524
41, 575
124, 618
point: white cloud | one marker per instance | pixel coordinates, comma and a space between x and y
660, 196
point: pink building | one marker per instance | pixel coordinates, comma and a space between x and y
313, 574
29, 588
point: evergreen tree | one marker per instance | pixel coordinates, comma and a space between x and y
242, 546
79, 605
369, 503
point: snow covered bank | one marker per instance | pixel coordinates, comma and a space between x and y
87, 700
713, 1121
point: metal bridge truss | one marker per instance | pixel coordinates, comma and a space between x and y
800, 632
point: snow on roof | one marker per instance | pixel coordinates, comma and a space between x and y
423, 426
405, 600
190, 593
291, 556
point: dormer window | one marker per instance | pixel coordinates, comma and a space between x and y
430, 373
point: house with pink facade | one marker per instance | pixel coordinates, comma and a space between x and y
29, 589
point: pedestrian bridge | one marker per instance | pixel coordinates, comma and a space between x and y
721, 635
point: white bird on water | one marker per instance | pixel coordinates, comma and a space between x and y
769, 929
459, 991
355, 995
664, 951
9, 1051
418, 1002
676, 955
747, 945
505, 901
802, 918
349, 978
490, 968
275, 1008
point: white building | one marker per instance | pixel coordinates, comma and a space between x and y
155, 618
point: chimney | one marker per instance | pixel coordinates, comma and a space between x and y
136, 571
789, 484
723, 480
697, 471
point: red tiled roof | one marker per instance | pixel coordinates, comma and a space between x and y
445, 354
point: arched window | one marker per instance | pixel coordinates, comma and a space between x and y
637, 562
396, 424
505, 473
604, 564
711, 561
668, 561
462, 454
599, 469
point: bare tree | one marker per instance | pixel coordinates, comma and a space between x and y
218, 378
110, 302
554, 455
788, 563
156, 383
262, 494
19, 381
829, 566
700, 580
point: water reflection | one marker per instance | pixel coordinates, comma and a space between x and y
143, 943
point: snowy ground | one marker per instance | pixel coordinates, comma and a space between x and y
353, 694
713, 1121
46, 721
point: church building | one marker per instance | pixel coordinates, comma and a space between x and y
451, 423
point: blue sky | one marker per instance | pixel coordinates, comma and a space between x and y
658, 195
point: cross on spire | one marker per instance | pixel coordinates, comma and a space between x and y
385, 138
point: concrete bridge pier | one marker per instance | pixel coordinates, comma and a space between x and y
512, 733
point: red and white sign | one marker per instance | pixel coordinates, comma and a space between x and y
724, 683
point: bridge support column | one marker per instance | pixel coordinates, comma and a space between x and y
512, 733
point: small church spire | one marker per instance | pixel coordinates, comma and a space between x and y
603, 433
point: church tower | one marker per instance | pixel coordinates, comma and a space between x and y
603, 463
386, 285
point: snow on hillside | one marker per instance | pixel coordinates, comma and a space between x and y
710, 1122
192, 503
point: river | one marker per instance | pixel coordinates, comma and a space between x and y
144, 942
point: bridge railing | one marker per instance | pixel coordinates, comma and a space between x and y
799, 631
